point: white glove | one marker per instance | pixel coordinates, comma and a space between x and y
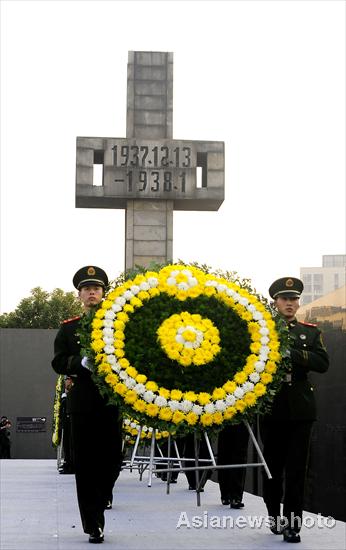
86, 363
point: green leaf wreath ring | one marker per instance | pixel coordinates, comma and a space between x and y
181, 349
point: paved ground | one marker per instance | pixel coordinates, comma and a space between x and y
39, 512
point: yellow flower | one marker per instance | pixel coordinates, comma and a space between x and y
176, 394
178, 417
100, 313
255, 347
274, 355
191, 418
266, 377
164, 393
106, 304
131, 371
229, 386
97, 323
104, 368
121, 316
240, 405
165, 414
204, 398
141, 379
130, 396
119, 335
128, 308
139, 405
259, 389
240, 377
250, 398
119, 352
120, 388
151, 409
206, 419
218, 393
119, 325
190, 396
151, 386
97, 345
124, 363
217, 417
271, 367
119, 344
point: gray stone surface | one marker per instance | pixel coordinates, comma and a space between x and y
39, 512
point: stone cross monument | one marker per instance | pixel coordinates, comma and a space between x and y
149, 173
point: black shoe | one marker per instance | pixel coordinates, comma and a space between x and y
226, 501
276, 527
237, 504
96, 536
290, 535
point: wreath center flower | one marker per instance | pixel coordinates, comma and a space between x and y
189, 339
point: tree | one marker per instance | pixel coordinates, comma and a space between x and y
42, 310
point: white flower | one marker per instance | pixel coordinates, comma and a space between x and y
153, 281
116, 308
123, 375
230, 400
171, 281
247, 386
160, 401
135, 289
262, 322
183, 286
120, 301
257, 315
112, 360
127, 421
254, 377
174, 273
221, 288
187, 272
230, 292
264, 331
189, 345
259, 366
108, 340
109, 314
174, 405
186, 405
239, 392
109, 349
108, 323
211, 283
108, 332
128, 295
144, 428
243, 301
197, 409
144, 286
180, 339
150, 429
148, 396
251, 308
130, 382
220, 405
209, 408
193, 281
140, 389
264, 340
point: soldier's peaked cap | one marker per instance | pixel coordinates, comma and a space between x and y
289, 287
90, 275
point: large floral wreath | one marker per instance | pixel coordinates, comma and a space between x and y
182, 348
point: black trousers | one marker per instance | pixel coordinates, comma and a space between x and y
96, 444
232, 449
286, 450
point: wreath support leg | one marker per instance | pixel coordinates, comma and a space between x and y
258, 449
151, 461
135, 448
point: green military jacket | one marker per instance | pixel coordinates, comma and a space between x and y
295, 399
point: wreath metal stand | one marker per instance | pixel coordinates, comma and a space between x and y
151, 462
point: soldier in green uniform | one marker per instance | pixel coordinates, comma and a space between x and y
287, 429
95, 424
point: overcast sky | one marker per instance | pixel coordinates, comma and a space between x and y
265, 77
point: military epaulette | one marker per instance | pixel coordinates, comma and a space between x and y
307, 324
72, 319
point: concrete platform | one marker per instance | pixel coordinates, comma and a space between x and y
39, 512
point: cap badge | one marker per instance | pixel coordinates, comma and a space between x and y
289, 283
302, 336
91, 271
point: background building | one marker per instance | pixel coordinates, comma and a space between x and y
319, 281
